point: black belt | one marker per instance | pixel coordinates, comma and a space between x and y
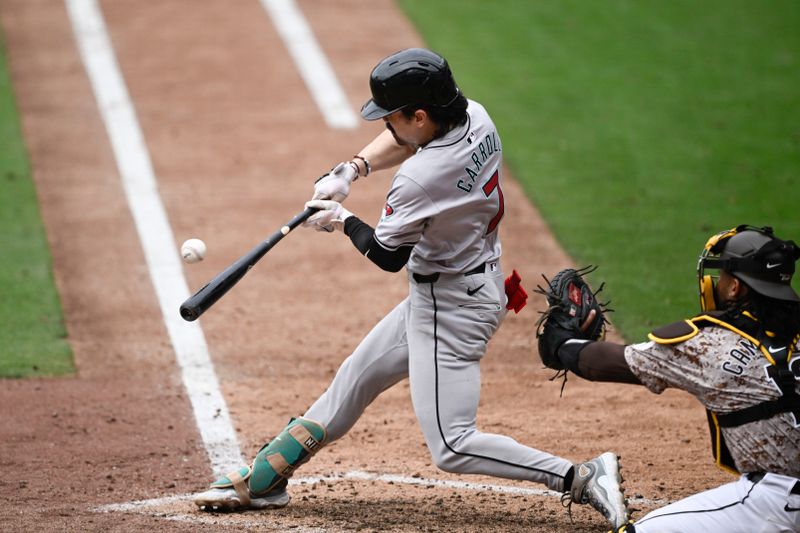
755, 477
433, 278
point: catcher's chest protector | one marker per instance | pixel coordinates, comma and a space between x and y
783, 369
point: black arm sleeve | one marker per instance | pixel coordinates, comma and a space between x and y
363, 237
599, 361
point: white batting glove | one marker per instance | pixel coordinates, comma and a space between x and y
335, 185
331, 215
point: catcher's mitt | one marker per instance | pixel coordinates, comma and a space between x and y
569, 300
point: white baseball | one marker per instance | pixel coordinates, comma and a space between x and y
285, 230
193, 250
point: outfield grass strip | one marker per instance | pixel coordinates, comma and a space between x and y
33, 336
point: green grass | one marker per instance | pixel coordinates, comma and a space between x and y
32, 332
638, 128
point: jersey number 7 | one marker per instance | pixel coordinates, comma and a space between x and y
488, 188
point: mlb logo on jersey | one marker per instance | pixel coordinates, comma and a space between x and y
387, 211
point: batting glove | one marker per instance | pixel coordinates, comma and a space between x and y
331, 215
335, 185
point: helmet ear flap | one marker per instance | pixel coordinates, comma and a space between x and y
707, 301
713, 248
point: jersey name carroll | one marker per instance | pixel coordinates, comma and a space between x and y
447, 200
486, 147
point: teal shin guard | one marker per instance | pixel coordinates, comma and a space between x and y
279, 458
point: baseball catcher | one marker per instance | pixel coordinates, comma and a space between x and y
738, 357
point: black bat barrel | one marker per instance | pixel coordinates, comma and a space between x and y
203, 299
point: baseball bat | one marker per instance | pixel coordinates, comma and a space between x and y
205, 297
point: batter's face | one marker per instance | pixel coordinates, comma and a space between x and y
415, 130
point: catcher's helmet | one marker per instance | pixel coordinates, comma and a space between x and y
412, 76
754, 255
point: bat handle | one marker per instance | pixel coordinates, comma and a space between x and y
301, 217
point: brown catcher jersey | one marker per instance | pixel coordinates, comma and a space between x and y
727, 373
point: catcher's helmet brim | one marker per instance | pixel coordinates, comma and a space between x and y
770, 289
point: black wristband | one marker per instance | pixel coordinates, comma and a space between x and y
569, 352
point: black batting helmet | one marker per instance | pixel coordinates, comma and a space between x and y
414, 76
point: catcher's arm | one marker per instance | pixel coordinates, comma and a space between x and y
603, 361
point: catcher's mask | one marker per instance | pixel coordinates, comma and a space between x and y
754, 255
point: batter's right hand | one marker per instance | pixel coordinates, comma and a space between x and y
335, 185
331, 215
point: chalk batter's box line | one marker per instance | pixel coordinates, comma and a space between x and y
145, 506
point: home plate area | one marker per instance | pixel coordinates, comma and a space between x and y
370, 500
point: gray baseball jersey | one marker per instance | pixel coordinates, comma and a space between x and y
447, 201
727, 373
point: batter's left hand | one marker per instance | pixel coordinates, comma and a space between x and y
331, 215
335, 185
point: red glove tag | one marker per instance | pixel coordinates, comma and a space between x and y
517, 297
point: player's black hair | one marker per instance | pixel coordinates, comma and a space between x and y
781, 317
445, 118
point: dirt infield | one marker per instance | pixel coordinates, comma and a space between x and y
235, 141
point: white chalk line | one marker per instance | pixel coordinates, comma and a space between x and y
155, 234
312, 63
150, 506
150, 218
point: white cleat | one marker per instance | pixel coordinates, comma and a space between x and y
598, 482
224, 500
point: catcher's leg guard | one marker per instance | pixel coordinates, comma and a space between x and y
277, 460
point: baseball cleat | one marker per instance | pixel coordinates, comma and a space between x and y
598, 483
218, 500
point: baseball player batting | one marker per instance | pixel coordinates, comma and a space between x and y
739, 358
440, 222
